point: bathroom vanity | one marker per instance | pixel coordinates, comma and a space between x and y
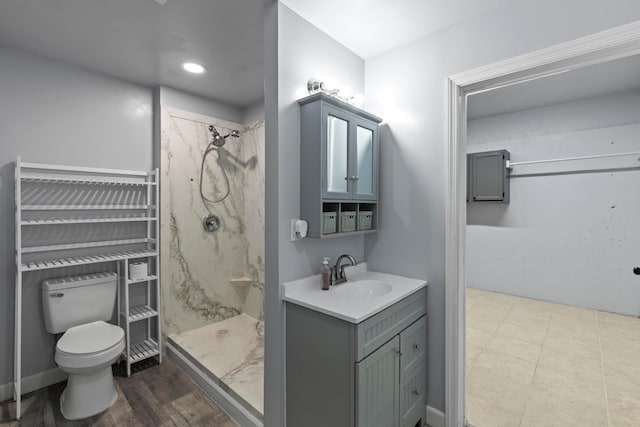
356, 354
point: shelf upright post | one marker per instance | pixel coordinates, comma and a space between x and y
149, 211
156, 213
126, 314
118, 308
17, 352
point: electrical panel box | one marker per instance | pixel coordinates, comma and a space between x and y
488, 176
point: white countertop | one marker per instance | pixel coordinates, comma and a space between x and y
308, 293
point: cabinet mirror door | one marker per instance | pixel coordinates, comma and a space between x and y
365, 162
337, 154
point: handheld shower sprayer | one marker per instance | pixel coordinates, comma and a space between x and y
212, 221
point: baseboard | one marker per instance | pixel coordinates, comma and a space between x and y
227, 403
435, 418
33, 382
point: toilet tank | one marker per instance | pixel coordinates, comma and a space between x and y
75, 300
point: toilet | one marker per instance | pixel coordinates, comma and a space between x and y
79, 307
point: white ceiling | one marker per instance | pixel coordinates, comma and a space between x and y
371, 27
595, 80
145, 42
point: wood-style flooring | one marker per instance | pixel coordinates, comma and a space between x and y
154, 395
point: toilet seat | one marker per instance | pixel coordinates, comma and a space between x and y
89, 345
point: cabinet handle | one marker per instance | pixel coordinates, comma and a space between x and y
399, 352
56, 295
416, 392
354, 178
416, 346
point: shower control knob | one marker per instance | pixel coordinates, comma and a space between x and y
211, 222
636, 271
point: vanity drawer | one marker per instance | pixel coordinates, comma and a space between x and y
413, 395
413, 346
379, 328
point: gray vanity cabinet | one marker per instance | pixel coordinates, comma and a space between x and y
338, 166
369, 374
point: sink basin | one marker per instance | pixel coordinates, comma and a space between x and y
363, 289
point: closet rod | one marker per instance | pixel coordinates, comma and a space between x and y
511, 164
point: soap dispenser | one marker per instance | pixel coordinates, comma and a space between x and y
325, 274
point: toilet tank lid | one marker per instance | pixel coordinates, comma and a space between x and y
75, 281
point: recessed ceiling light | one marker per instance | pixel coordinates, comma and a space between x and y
193, 67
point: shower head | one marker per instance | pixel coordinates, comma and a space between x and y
219, 140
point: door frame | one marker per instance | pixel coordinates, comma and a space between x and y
604, 46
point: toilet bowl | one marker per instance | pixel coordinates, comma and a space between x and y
78, 307
86, 352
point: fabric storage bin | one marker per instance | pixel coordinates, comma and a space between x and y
348, 221
328, 222
365, 219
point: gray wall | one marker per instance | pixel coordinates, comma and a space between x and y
568, 234
54, 113
406, 87
253, 113
193, 103
294, 52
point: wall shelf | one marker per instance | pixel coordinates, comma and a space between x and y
41, 190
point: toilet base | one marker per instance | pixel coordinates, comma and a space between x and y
88, 394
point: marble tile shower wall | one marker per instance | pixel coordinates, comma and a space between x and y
208, 277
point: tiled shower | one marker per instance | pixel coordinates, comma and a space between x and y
213, 287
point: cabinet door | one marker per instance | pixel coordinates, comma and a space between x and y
335, 154
365, 160
489, 177
378, 387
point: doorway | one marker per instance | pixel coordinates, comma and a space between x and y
619, 42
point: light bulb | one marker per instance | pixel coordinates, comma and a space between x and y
193, 67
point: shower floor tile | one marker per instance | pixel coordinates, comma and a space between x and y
232, 351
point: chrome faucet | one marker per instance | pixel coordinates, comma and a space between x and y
338, 269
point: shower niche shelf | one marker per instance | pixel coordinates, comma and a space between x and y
338, 167
65, 217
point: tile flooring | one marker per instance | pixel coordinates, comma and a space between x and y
154, 395
232, 353
534, 363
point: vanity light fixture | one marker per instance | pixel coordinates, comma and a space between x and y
193, 67
314, 86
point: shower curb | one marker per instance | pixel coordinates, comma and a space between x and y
227, 403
